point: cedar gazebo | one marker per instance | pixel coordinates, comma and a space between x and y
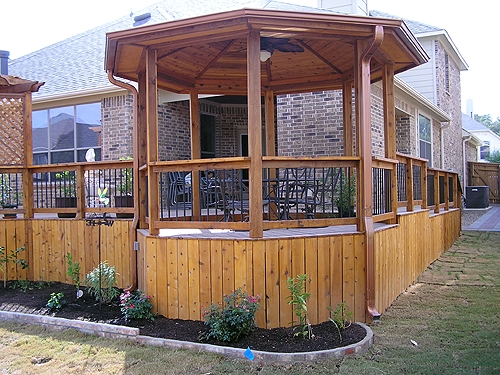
217, 238
237, 53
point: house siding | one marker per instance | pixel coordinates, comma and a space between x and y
421, 78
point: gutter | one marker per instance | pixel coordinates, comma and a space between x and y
135, 220
369, 228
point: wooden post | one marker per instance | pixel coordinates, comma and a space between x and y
152, 138
390, 132
195, 152
363, 55
141, 153
347, 116
254, 133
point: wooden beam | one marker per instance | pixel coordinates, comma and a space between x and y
390, 131
141, 151
152, 138
347, 116
195, 152
254, 134
363, 56
270, 124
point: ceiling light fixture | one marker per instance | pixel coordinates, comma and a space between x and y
264, 55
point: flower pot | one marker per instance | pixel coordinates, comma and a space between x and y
124, 201
65, 202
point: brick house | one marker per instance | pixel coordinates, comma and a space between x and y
391, 198
418, 100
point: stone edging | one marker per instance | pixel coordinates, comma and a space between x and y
115, 331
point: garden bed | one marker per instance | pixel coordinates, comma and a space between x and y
34, 300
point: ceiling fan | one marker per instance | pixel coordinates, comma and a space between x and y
281, 44
269, 44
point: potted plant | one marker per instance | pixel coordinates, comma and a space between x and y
345, 194
65, 193
9, 199
125, 191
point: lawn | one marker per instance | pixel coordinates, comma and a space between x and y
448, 322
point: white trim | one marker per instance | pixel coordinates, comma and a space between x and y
76, 97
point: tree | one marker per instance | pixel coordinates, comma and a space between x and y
494, 157
486, 120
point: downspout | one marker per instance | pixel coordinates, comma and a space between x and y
366, 56
464, 157
135, 220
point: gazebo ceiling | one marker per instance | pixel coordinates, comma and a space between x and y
209, 53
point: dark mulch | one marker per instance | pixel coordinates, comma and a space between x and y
33, 301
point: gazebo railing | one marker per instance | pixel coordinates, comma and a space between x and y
296, 192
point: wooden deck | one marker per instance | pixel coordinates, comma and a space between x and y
187, 270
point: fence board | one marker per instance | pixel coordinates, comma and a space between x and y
311, 270
183, 278
285, 271
194, 280
272, 275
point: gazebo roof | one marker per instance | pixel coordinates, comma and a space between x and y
13, 84
209, 53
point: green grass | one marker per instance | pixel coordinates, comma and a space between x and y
454, 321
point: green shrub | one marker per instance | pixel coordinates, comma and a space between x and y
233, 320
136, 305
56, 301
101, 283
341, 317
298, 299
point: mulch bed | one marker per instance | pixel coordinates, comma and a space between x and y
34, 300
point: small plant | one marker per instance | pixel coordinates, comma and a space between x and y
298, 299
341, 317
234, 319
74, 272
23, 285
67, 184
136, 305
345, 195
13, 257
9, 196
56, 301
125, 184
101, 283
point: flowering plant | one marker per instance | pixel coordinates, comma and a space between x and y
136, 305
233, 320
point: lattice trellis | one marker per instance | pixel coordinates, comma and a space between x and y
12, 129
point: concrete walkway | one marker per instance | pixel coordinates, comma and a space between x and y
490, 221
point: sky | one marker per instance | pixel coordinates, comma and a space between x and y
29, 25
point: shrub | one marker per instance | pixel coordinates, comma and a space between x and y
233, 320
101, 283
341, 317
136, 305
298, 299
56, 301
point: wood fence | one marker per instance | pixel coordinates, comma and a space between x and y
486, 174
48, 241
184, 275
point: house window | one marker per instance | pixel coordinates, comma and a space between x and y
63, 135
485, 151
424, 125
446, 72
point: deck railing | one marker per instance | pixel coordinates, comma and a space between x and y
296, 192
68, 190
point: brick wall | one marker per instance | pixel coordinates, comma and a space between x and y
310, 124
117, 115
174, 135
450, 102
